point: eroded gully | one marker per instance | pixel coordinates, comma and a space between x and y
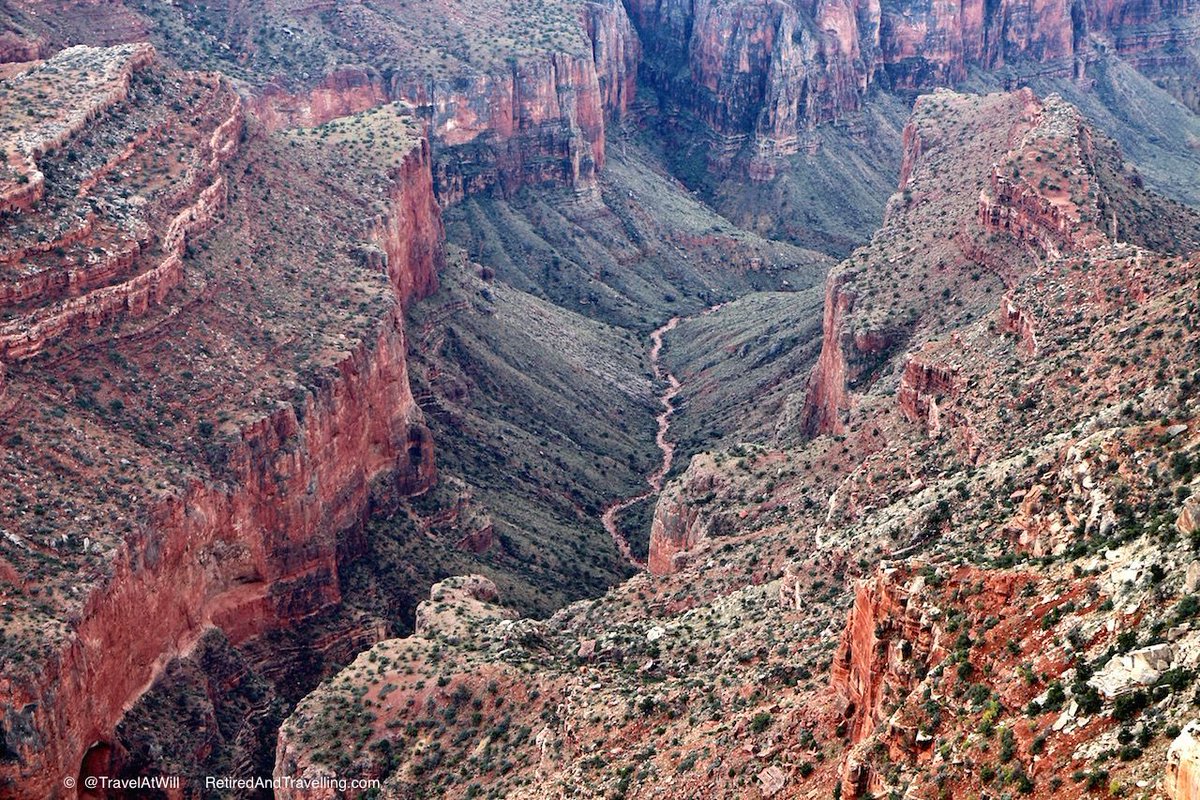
654, 480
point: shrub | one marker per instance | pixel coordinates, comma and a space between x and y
1127, 706
762, 720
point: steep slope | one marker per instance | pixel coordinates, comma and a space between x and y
1020, 456
640, 251
786, 116
248, 438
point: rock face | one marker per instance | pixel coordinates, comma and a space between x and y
673, 531
1026, 214
411, 233
131, 274
848, 357
1182, 779
1188, 521
257, 555
1011, 201
760, 69
921, 387
678, 524
255, 547
768, 71
540, 120
827, 400
887, 633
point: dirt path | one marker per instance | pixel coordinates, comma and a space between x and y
654, 481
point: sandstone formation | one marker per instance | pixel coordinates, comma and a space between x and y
250, 542
1180, 780
767, 72
541, 121
961, 563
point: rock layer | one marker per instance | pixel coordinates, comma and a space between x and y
541, 120
253, 546
768, 71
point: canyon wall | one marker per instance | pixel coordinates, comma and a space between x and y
826, 401
250, 548
767, 71
675, 528
251, 554
540, 120
922, 385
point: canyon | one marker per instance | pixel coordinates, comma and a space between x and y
990, 574
332, 446
248, 542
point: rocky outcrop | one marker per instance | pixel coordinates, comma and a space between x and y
1018, 320
1026, 214
826, 400
922, 386
1188, 521
540, 120
455, 600
888, 631
410, 234
847, 357
674, 530
682, 519
461, 609
1182, 779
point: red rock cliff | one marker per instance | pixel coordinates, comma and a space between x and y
769, 70
253, 551
540, 120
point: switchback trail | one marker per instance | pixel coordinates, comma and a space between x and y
654, 480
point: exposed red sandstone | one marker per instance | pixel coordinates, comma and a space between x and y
679, 524
673, 531
540, 120
410, 234
255, 548
922, 385
256, 554
1025, 213
1182, 779
827, 400
1019, 321
757, 69
113, 282
894, 635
